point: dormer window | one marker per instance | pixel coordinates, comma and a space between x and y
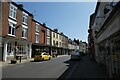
13, 11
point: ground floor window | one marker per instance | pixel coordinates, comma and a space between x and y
10, 49
22, 49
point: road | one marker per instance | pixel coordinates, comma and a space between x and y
43, 69
57, 68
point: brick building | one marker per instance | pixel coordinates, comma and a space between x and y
16, 27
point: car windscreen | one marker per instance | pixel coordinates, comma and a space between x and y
39, 53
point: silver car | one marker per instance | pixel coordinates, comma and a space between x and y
76, 55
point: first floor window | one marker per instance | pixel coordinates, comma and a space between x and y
60, 44
37, 38
37, 27
48, 40
53, 42
48, 32
24, 32
57, 43
53, 35
11, 28
25, 18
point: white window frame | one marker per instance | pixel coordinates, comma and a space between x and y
37, 39
37, 27
56, 35
48, 32
25, 20
54, 43
53, 34
10, 50
25, 27
14, 11
48, 40
12, 22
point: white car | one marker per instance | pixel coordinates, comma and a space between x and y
76, 55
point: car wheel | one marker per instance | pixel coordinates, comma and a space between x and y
43, 59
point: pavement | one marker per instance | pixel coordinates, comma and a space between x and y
8, 63
85, 68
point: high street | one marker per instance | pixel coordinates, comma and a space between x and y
58, 68
43, 69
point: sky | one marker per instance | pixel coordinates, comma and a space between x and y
71, 18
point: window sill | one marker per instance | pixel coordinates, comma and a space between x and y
10, 55
37, 31
13, 18
24, 37
36, 42
24, 23
11, 35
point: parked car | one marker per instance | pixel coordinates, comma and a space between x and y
76, 55
42, 56
54, 54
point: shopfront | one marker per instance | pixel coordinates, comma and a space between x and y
13, 48
115, 55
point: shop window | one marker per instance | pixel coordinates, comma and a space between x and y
10, 49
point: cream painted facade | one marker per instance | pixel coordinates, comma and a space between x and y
54, 39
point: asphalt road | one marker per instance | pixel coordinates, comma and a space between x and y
43, 69
59, 68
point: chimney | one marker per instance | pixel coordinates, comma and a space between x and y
20, 5
56, 30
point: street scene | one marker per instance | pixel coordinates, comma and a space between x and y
59, 40
57, 68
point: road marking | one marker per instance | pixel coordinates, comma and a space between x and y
73, 69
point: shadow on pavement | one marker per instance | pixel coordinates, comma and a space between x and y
85, 68
70, 63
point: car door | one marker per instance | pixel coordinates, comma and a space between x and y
44, 56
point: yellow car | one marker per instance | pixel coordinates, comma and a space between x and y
42, 56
